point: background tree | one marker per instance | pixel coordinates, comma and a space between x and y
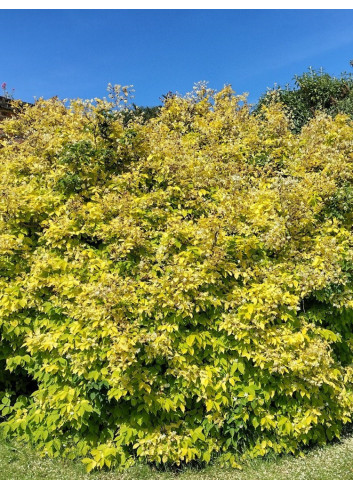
312, 91
145, 112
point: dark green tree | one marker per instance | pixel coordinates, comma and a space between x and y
314, 90
146, 113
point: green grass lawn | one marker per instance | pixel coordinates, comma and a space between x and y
334, 461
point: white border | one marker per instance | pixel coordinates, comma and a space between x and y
184, 484
181, 4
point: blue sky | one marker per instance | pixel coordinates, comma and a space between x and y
76, 53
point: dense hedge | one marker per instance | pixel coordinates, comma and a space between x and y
175, 289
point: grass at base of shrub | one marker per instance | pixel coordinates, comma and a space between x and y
335, 461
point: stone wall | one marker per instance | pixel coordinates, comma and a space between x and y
5, 108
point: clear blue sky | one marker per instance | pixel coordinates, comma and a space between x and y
76, 53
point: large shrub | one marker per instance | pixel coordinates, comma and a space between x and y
177, 288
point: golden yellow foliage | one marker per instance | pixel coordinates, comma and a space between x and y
178, 288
